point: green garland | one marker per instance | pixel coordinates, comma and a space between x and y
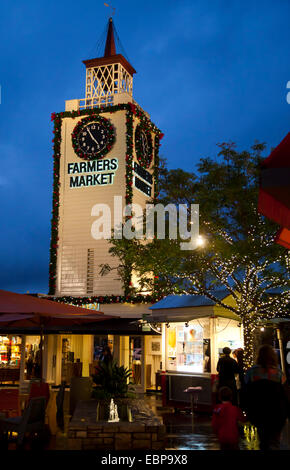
131, 110
110, 136
157, 145
107, 299
129, 158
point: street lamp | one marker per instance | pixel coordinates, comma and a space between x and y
200, 241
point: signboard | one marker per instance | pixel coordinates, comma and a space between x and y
143, 180
97, 173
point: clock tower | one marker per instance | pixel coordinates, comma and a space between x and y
105, 157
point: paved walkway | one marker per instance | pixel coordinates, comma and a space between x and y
181, 435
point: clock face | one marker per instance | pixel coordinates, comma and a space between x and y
143, 146
93, 138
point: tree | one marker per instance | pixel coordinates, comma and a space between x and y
239, 253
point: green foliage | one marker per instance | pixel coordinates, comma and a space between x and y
112, 381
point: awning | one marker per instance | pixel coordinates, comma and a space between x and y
183, 308
11, 302
25, 311
115, 326
274, 194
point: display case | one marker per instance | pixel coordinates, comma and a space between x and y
10, 351
10, 358
185, 348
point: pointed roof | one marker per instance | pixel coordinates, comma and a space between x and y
110, 56
110, 47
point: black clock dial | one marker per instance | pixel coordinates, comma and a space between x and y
92, 138
143, 146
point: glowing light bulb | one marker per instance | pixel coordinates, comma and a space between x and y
200, 241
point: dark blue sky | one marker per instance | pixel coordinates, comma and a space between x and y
208, 71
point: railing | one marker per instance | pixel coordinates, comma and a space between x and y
108, 100
96, 102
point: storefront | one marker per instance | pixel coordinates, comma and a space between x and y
194, 333
141, 353
73, 354
73, 339
76, 355
10, 358
10, 350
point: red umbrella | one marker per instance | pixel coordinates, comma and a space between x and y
10, 302
274, 194
24, 311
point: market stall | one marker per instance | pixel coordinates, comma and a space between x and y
195, 331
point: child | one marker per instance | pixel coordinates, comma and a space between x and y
225, 420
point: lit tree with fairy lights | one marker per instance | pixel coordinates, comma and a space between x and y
237, 249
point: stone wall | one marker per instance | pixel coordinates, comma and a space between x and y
85, 433
119, 436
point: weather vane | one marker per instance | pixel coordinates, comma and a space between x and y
111, 7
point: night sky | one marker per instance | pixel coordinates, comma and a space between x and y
208, 72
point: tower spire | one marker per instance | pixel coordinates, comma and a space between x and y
110, 47
109, 79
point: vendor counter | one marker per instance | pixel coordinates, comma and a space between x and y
9, 374
174, 385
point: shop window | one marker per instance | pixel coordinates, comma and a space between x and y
32, 357
185, 348
206, 356
10, 350
100, 342
135, 356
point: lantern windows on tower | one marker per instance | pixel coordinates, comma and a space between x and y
104, 82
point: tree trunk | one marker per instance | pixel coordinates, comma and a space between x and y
249, 329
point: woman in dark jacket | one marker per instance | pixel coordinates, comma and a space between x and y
266, 400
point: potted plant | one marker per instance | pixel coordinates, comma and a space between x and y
112, 381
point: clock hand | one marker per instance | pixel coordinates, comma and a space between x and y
92, 137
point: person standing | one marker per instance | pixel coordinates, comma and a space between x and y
227, 369
107, 356
239, 357
29, 367
266, 401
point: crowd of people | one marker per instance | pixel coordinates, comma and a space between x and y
257, 396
